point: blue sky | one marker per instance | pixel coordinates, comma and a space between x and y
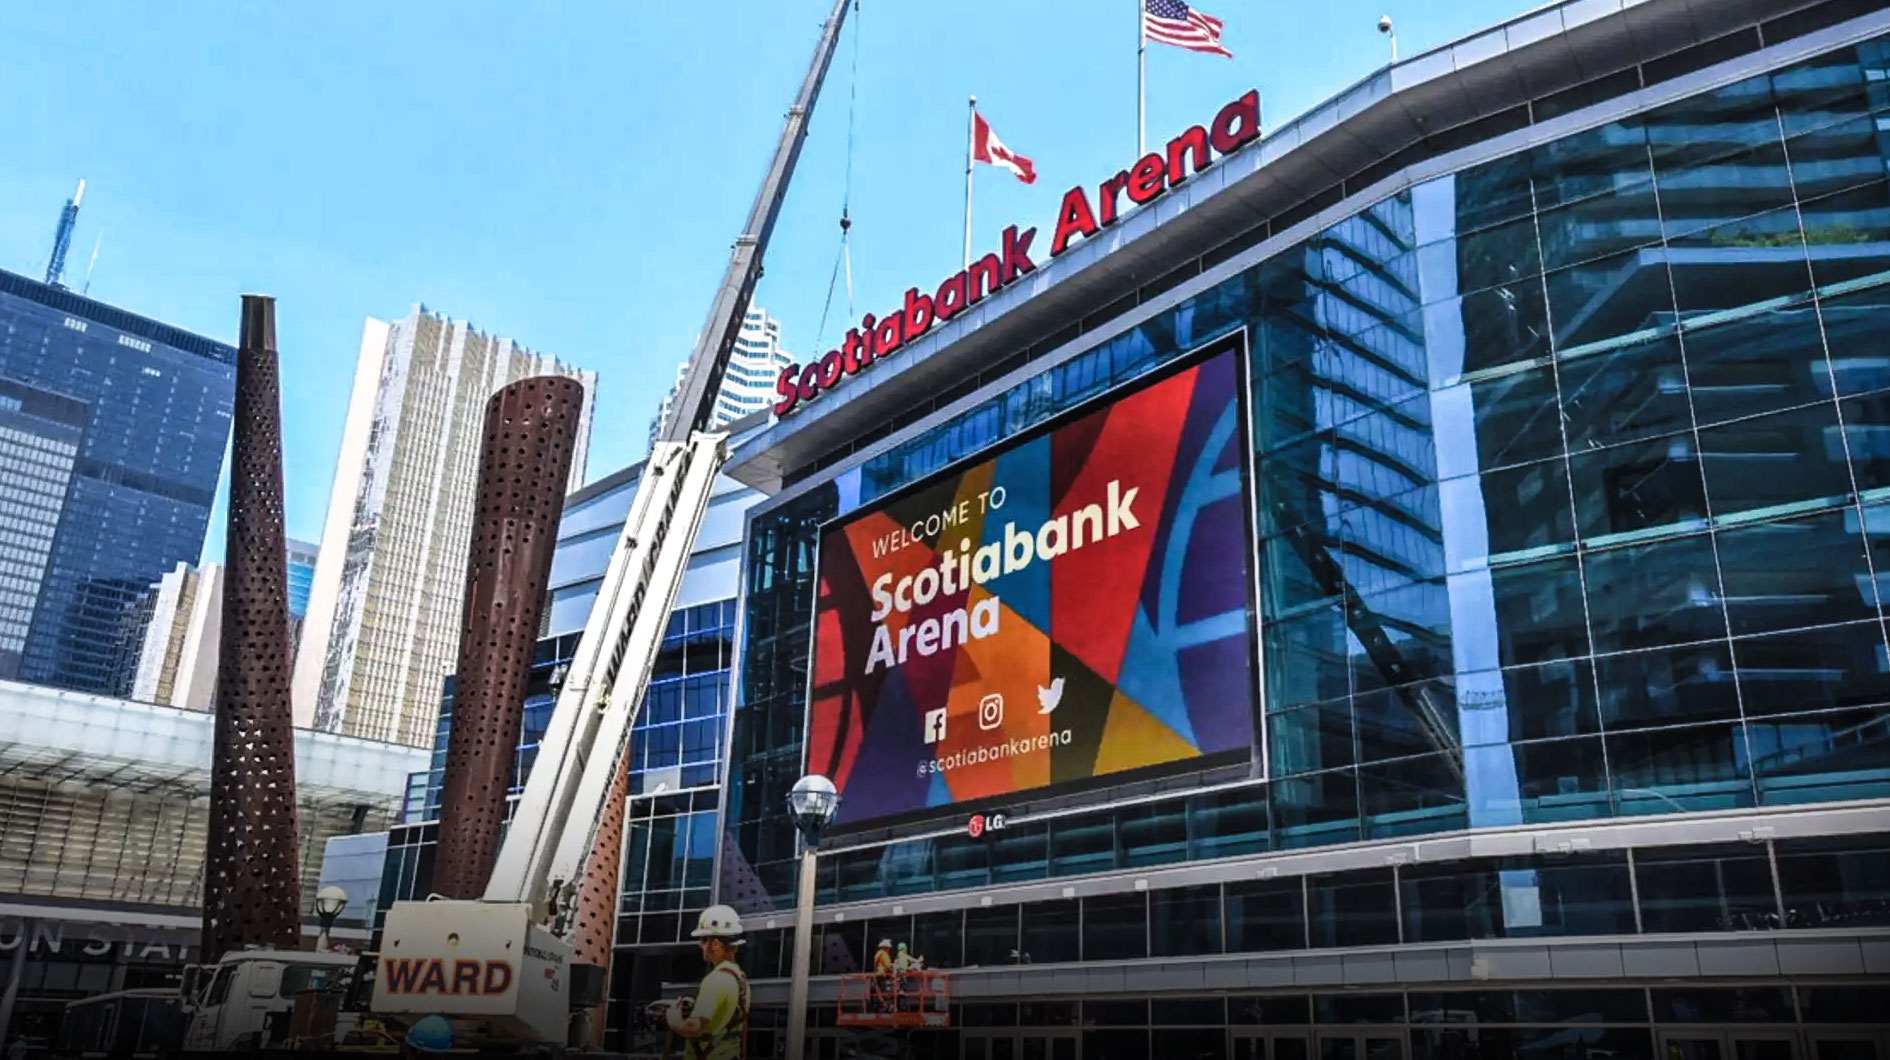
570, 174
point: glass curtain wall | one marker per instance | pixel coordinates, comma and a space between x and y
1573, 478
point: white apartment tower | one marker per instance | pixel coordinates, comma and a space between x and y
753, 368
384, 610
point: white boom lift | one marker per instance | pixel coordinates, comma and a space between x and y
443, 957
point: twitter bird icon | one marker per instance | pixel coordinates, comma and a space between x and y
1048, 698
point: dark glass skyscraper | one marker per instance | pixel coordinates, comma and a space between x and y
156, 403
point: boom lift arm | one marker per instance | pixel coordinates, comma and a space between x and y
553, 828
542, 861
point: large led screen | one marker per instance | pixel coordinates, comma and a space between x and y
1074, 608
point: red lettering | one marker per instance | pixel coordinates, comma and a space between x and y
1017, 253
498, 977
403, 974
784, 386
1073, 219
1238, 123
983, 276
810, 382
950, 300
851, 353
891, 334
1145, 181
831, 370
873, 351
466, 977
1107, 200
918, 314
1194, 141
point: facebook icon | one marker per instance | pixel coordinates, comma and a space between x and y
935, 725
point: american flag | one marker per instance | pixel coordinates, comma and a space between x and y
1173, 22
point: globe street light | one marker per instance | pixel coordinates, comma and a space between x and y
1385, 27
329, 902
811, 803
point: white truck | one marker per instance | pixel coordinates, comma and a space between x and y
501, 969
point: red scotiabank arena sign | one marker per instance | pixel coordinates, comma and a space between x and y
1237, 125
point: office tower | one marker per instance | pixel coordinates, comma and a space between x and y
112, 427
174, 638
384, 607
301, 579
752, 369
40, 433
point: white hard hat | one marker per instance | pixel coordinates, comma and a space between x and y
718, 922
885, 944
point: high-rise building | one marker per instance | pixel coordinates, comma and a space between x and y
40, 434
301, 578
384, 607
748, 387
177, 630
112, 429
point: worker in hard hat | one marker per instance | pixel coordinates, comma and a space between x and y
906, 966
714, 1023
884, 984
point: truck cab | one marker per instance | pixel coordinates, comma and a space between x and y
248, 999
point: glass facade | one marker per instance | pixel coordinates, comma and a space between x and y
156, 405
1570, 508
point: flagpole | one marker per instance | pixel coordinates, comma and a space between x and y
1141, 76
971, 134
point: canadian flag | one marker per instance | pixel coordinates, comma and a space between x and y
986, 147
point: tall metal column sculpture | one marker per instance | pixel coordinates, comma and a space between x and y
252, 889
531, 431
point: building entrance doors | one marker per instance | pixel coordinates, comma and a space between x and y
1846, 1043
1716, 1044
1009, 1043
1270, 1045
1364, 1044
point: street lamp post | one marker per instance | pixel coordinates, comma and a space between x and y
329, 902
812, 803
1385, 27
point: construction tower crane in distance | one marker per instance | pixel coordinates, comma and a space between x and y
62, 238
502, 968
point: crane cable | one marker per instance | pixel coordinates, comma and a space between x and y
843, 258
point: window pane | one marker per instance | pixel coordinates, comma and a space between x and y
1775, 459
1265, 915
1801, 758
1050, 933
1539, 606
1758, 363
1115, 928
1184, 922
1723, 1004
1796, 573
1315, 809
1411, 796
1661, 593
1624, 389
1705, 888
991, 935
1225, 823
1835, 883
1668, 686
1633, 487
1353, 909
1700, 767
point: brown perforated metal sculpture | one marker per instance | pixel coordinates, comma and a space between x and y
531, 431
252, 888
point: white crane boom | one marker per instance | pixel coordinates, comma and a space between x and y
498, 947
553, 828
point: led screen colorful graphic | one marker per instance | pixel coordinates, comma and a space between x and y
1076, 607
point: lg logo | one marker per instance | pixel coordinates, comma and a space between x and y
981, 823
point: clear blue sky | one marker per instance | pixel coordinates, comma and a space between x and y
570, 174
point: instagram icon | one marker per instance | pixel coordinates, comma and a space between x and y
991, 711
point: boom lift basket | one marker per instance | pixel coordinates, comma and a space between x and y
908, 999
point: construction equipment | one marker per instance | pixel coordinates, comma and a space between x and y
502, 968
